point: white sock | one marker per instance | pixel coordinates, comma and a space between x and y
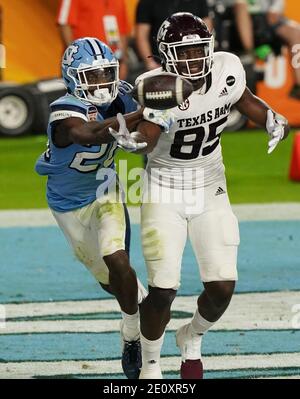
151, 353
196, 329
199, 324
130, 326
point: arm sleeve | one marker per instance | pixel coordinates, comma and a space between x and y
68, 12
143, 12
64, 111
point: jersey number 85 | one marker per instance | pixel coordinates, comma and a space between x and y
181, 141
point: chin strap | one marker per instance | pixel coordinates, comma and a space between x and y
102, 96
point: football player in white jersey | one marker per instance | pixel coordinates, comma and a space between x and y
188, 159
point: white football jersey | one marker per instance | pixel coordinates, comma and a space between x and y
193, 142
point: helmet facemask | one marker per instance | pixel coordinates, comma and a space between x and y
191, 58
97, 84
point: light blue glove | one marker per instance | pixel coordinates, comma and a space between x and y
163, 118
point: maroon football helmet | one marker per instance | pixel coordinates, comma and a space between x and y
186, 46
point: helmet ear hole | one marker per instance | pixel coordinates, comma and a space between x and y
73, 73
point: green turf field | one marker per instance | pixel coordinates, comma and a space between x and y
252, 175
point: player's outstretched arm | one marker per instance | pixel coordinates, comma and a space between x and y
148, 131
262, 114
77, 130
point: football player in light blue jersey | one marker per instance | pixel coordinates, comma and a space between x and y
83, 136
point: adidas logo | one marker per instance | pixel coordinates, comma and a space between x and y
220, 191
224, 92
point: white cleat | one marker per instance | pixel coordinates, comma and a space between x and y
189, 345
154, 374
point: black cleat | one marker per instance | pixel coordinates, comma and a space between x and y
132, 359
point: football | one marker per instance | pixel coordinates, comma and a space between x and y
162, 91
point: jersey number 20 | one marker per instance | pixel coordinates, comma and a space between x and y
86, 162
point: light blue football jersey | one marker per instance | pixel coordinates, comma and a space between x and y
72, 170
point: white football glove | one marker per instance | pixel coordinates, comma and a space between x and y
275, 128
124, 139
164, 118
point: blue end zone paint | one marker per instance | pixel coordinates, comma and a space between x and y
207, 374
71, 346
37, 264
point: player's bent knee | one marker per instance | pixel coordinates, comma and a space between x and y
118, 263
220, 292
161, 298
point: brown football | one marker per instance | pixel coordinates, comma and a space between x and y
162, 91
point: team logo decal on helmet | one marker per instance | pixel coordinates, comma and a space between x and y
68, 55
91, 71
186, 46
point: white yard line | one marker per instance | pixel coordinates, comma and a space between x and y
244, 212
27, 218
212, 363
273, 211
272, 311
